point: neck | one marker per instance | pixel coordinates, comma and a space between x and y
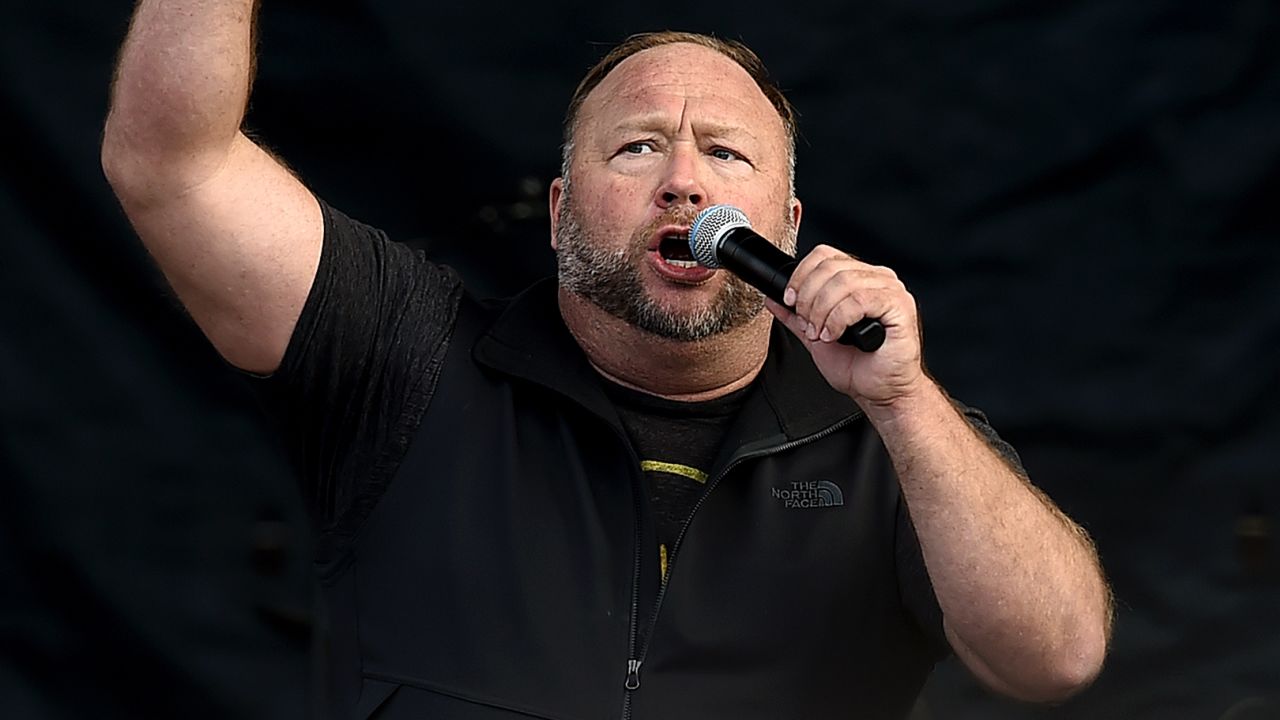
688, 371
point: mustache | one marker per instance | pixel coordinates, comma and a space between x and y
681, 215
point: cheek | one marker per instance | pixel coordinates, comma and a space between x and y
618, 204
770, 213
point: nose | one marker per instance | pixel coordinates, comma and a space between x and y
680, 183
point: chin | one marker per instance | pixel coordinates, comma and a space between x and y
683, 304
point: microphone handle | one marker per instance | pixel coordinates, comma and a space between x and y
763, 266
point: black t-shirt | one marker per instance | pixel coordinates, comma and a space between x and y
676, 442
351, 387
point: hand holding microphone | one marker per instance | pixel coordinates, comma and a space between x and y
721, 236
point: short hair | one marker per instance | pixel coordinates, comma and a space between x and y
732, 49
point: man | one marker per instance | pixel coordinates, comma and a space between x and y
627, 493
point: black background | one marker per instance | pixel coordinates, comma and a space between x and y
1081, 195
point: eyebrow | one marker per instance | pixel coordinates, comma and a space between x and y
660, 122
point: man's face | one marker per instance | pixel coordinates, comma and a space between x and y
670, 131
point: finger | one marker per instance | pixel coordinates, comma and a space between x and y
805, 268
792, 322
891, 304
808, 287
828, 285
844, 300
822, 261
847, 312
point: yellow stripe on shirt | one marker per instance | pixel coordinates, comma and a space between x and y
692, 473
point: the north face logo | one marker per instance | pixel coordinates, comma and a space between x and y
812, 494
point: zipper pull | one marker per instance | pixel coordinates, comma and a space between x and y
633, 675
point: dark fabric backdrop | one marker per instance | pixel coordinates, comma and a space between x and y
1081, 195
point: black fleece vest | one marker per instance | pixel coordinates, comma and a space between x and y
510, 568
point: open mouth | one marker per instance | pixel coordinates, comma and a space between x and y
673, 248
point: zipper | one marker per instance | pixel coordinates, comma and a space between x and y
634, 661
632, 681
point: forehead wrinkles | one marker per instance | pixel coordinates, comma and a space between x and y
650, 82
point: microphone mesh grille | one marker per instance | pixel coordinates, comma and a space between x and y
709, 227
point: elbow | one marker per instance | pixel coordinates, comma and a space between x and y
1080, 661
142, 169
1085, 662
1071, 676
119, 162
145, 159
109, 152
1039, 674
1070, 671
112, 161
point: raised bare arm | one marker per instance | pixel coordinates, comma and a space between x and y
235, 233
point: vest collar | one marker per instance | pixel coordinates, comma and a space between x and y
790, 399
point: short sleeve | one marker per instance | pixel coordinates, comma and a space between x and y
913, 577
360, 367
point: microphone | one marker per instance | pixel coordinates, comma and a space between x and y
721, 236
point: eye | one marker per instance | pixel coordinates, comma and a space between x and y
637, 148
722, 153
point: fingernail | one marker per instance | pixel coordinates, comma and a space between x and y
826, 335
789, 297
812, 332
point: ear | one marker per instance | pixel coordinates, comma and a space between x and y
796, 212
556, 196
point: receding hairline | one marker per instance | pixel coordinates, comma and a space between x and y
736, 51
621, 87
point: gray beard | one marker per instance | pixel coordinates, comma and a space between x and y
610, 279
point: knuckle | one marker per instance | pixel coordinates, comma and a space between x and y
804, 298
829, 253
846, 314
849, 276
860, 295
827, 263
839, 316
852, 305
827, 299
